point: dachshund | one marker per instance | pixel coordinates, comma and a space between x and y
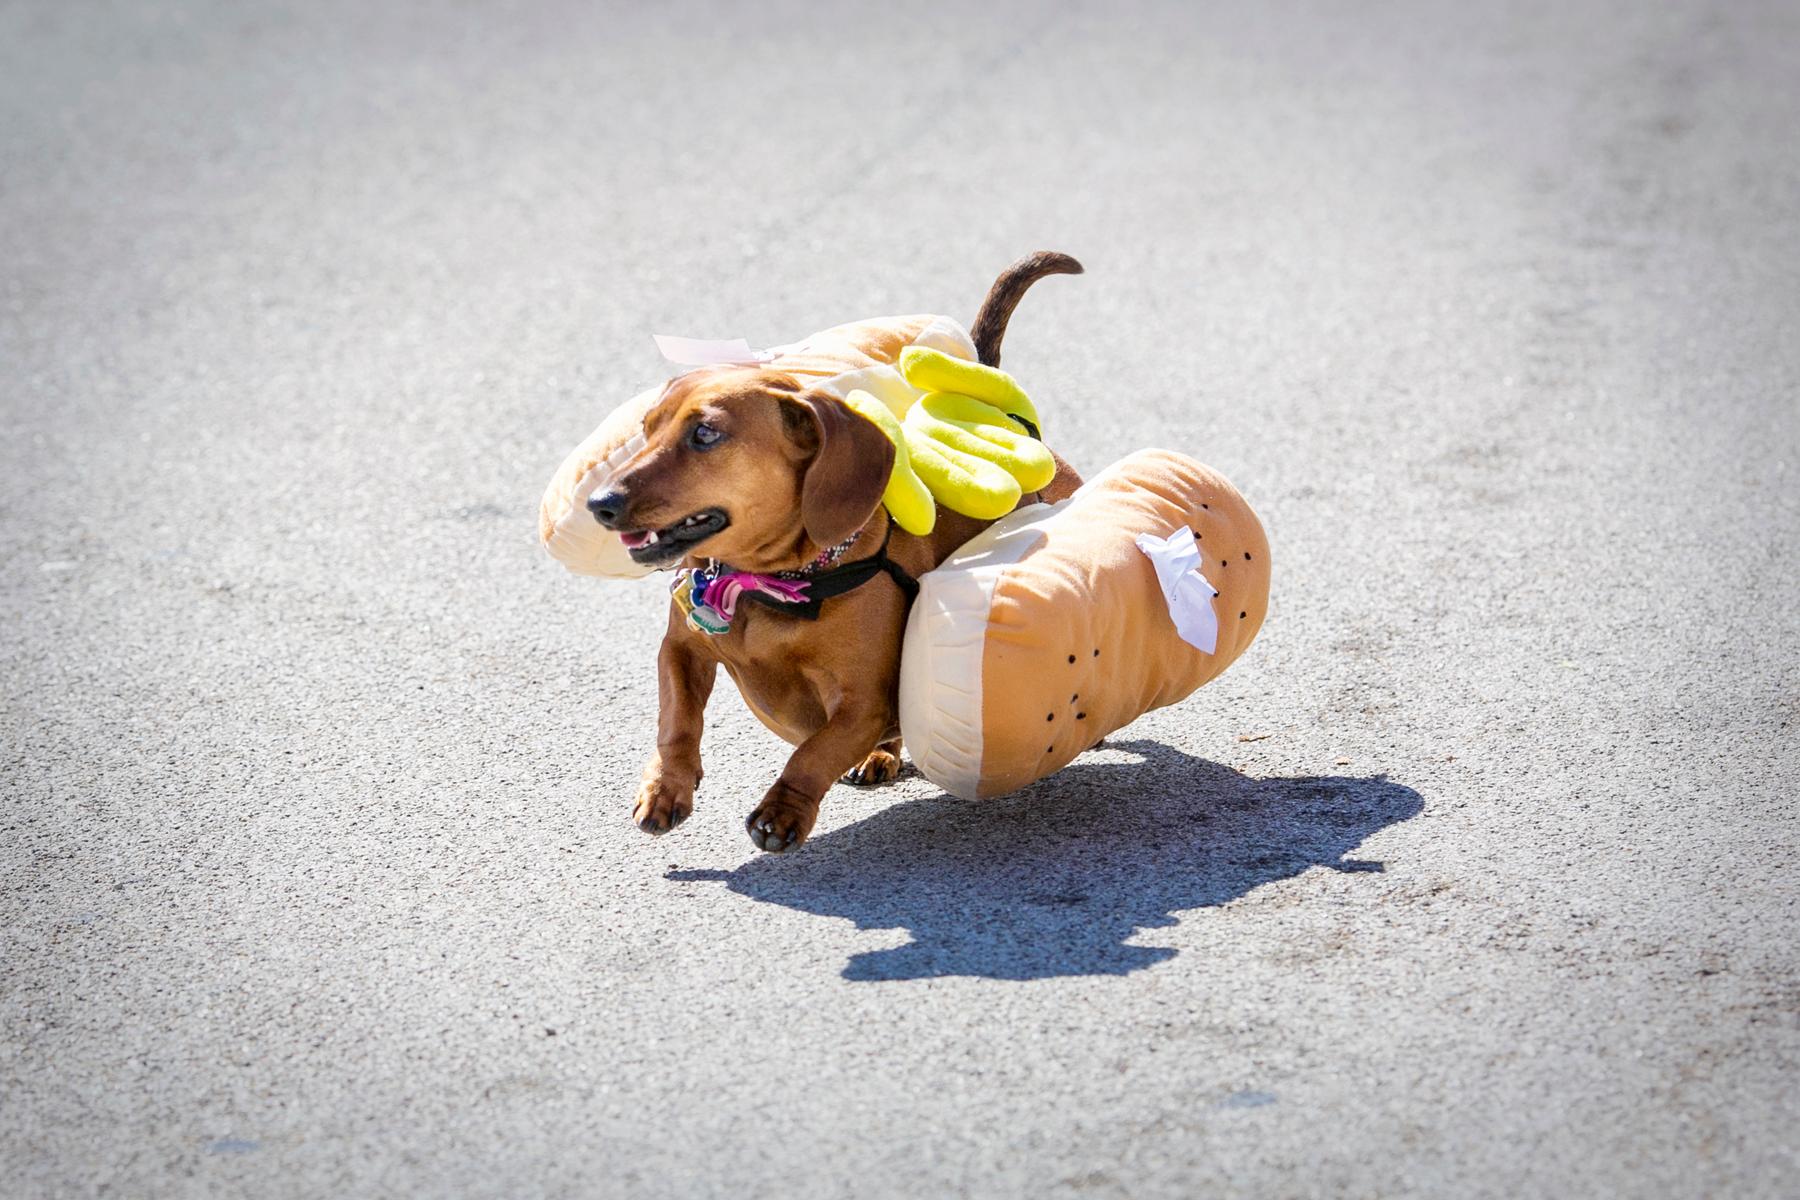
743, 465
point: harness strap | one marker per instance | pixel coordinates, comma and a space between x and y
845, 577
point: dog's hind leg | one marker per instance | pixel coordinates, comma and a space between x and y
882, 766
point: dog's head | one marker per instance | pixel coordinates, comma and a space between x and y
744, 465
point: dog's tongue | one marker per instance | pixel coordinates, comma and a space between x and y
634, 540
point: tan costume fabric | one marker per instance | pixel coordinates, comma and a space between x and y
1049, 630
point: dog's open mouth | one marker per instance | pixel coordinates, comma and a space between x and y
648, 546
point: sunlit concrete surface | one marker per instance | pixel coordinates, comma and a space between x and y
1475, 877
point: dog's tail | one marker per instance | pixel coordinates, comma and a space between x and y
1004, 296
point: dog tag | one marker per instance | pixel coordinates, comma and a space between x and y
700, 617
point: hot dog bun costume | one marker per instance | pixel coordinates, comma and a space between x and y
1054, 627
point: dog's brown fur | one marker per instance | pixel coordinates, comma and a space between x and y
795, 472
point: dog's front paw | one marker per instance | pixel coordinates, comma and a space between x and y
882, 766
661, 805
782, 820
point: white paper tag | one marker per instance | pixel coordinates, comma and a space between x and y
1187, 592
702, 352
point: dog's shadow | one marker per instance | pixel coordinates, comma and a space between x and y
1053, 880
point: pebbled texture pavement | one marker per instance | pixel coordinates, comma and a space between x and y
1476, 877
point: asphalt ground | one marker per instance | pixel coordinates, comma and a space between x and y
1475, 877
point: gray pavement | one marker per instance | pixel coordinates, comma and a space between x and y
315, 873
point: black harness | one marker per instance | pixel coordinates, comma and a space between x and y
835, 581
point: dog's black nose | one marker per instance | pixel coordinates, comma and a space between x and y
607, 508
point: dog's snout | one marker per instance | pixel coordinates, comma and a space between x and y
607, 509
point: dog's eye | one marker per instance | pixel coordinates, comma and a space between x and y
705, 437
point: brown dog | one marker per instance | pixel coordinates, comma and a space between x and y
744, 466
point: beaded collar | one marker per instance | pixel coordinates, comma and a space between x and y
708, 596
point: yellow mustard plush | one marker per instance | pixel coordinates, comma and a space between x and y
908, 500
969, 443
934, 371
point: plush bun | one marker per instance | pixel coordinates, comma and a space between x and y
1051, 629
568, 531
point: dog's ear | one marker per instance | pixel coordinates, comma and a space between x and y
851, 461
